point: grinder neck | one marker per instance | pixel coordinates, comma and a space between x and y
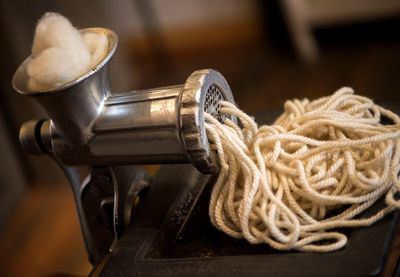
73, 110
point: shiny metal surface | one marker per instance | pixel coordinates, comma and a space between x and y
90, 125
199, 88
141, 124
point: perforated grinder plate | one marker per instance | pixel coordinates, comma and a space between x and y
211, 102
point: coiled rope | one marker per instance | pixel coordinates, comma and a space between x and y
315, 169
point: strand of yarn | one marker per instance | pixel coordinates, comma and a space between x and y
319, 166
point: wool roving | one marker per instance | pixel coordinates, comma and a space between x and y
60, 53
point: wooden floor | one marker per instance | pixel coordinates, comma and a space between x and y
42, 236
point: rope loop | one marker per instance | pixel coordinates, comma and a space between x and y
318, 167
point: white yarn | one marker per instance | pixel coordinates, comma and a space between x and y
60, 54
316, 168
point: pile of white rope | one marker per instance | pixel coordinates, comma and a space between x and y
315, 169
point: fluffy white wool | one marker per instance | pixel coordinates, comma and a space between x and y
61, 54
97, 45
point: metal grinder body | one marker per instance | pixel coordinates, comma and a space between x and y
89, 125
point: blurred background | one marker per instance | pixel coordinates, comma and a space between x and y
268, 51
